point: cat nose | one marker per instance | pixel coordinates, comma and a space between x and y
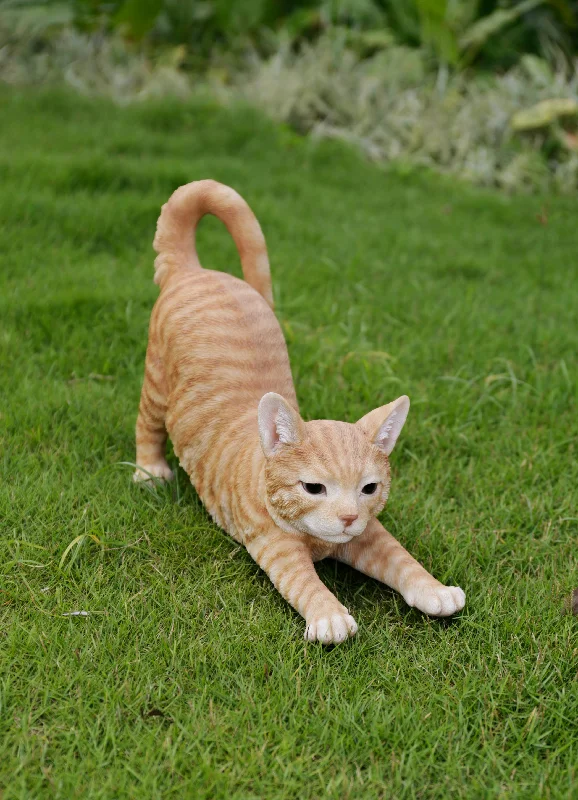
348, 519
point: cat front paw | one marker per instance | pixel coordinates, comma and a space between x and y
147, 472
437, 601
332, 629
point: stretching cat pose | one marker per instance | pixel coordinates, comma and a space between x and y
218, 380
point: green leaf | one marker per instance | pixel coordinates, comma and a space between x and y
544, 113
435, 30
138, 16
482, 30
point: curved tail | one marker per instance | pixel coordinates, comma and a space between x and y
175, 237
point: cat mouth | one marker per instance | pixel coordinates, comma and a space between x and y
347, 531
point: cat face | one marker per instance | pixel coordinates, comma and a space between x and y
326, 478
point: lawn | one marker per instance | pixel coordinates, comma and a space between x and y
190, 677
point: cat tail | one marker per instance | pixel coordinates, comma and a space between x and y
175, 237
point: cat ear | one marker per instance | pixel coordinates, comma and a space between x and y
279, 423
383, 425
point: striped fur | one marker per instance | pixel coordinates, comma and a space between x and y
218, 382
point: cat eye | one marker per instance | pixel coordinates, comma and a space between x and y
369, 488
313, 488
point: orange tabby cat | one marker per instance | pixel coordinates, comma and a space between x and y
218, 380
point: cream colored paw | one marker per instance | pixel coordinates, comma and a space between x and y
437, 601
333, 629
149, 471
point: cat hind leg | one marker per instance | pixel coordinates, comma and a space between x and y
151, 433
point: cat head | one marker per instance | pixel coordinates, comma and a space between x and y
327, 478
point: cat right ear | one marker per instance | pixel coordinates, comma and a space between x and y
279, 423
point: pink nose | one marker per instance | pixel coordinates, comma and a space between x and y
348, 519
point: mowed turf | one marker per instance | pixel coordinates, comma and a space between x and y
190, 677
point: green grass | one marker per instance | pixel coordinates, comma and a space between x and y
190, 677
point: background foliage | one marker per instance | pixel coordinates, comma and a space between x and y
480, 88
483, 89
455, 32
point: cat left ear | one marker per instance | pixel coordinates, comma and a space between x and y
383, 425
279, 423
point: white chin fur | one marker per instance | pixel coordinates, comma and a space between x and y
340, 538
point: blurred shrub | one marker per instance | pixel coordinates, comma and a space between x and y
454, 32
395, 108
493, 33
